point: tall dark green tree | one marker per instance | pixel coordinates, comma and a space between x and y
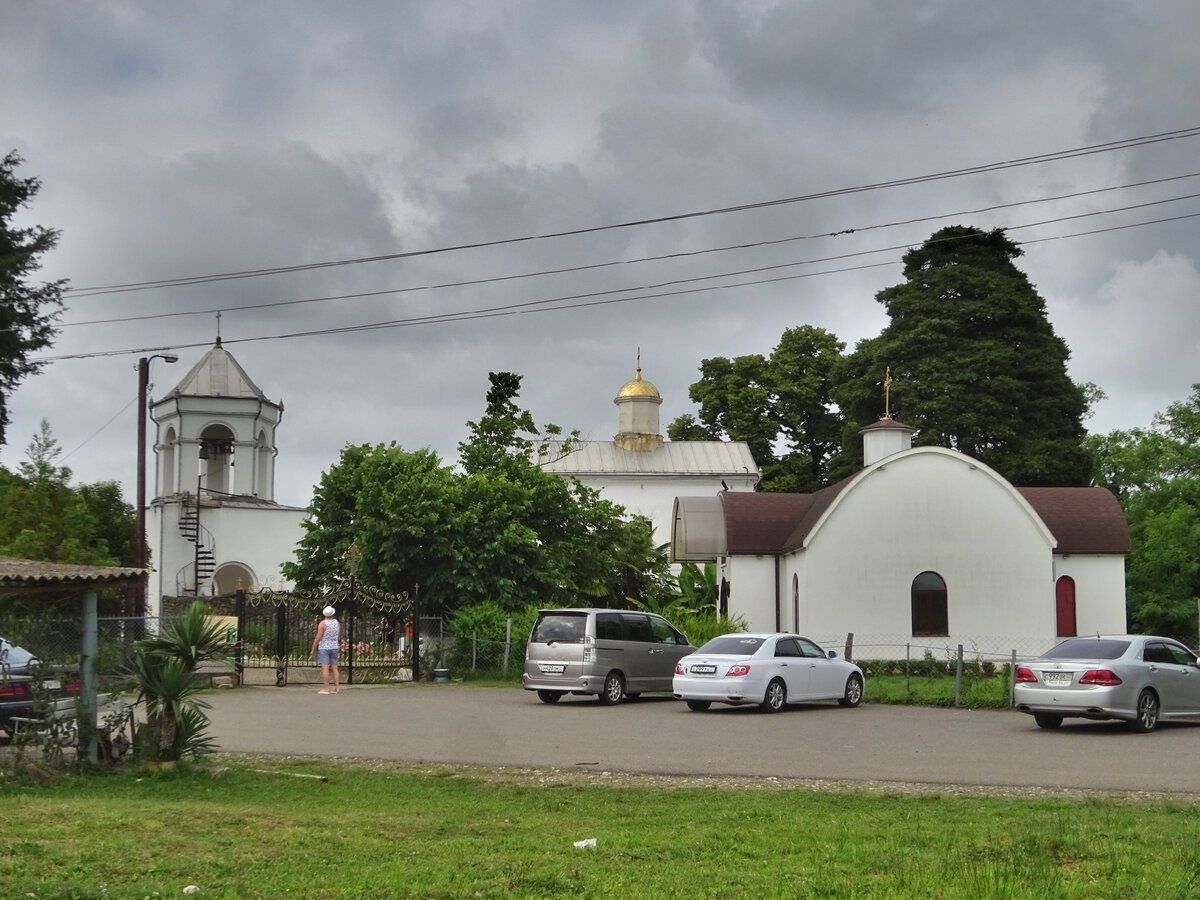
28, 311
975, 363
781, 406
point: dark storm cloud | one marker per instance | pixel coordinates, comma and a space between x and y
180, 139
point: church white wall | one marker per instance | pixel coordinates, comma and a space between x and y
257, 537
1099, 591
924, 510
930, 510
752, 590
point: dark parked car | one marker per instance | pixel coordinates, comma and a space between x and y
21, 672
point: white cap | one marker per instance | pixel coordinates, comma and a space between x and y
329, 610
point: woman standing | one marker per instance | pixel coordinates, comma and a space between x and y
325, 647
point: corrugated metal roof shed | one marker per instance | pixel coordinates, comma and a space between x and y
30, 573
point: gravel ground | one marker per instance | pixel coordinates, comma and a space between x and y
509, 775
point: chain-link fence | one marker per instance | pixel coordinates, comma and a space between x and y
57, 642
895, 650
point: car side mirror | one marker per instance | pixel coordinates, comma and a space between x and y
833, 654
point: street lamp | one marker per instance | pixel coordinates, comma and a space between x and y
143, 384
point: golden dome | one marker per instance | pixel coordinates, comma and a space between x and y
638, 388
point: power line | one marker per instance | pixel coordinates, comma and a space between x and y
664, 257
541, 306
1055, 156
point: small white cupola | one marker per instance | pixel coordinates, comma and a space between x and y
637, 414
887, 436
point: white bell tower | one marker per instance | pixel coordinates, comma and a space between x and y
213, 523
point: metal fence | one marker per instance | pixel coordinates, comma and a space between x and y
57, 642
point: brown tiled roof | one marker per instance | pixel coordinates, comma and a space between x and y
1082, 520
821, 501
30, 573
760, 523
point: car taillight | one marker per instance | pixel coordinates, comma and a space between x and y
1025, 675
1102, 677
678, 668
587, 648
739, 669
71, 684
14, 690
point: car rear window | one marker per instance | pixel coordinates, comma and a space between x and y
566, 628
732, 645
1087, 648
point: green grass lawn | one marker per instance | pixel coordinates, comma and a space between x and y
378, 831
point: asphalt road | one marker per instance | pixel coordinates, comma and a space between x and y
451, 723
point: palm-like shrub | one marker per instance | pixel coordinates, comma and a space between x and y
164, 674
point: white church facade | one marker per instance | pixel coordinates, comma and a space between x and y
643, 473
213, 524
923, 548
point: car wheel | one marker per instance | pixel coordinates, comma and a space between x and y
614, 689
854, 691
549, 696
699, 705
1147, 712
1047, 720
775, 698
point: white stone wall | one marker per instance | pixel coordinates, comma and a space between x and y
1099, 591
259, 538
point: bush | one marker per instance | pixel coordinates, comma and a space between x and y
702, 627
479, 631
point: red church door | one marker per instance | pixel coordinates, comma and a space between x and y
1064, 606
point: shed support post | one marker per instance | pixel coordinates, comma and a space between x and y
85, 708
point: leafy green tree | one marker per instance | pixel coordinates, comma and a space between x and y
385, 515
27, 311
1155, 473
781, 406
43, 517
975, 363
498, 529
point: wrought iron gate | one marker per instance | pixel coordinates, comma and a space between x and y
379, 632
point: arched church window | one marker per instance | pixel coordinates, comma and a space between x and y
168, 468
929, 607
1064, 606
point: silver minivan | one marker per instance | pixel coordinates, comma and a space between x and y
613, 653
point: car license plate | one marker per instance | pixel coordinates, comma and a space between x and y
52, 685
552, 668
703, 670
1056, 679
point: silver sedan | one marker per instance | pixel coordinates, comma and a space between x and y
770, 670
1138, 678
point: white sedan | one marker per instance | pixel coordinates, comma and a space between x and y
771, 670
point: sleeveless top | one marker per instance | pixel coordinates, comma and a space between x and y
329, 640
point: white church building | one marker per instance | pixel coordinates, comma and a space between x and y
922, 548
643, 473
213, 524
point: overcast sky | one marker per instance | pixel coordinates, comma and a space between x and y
189, 139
